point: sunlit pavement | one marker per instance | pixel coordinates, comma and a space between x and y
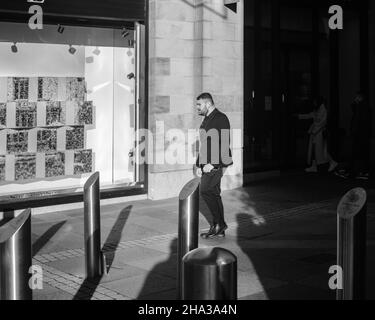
283, 232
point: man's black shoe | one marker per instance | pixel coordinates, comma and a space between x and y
210, 232
221, 231
342, 174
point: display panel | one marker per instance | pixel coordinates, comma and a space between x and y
65, 113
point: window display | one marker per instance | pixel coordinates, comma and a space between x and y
65, 115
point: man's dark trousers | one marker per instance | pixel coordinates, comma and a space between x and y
211, 193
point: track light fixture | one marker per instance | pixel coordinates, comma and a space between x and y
14, 47
131, 76
124, 32
60, 28
72, 50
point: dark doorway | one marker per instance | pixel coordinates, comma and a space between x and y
291, 56
296, 83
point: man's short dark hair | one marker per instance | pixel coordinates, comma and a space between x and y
206, 96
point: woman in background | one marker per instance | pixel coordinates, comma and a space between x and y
318, 150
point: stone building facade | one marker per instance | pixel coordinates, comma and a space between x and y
195, 46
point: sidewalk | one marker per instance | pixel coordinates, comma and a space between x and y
283, 232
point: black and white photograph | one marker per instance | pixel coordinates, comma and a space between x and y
83, 160
26, 114
18, 89
48, 89
2, 168
187, 158
47, 140
17, 141
75, 138
75, 89
55, 164
3, 115
55, 113
25, 166
84, 113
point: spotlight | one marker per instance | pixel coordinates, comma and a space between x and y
131, 76
60, 28
96, 51
72, 50
14, 47
125, 32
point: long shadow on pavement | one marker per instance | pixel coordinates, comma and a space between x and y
46, 237
278, 273
89, 286
167, 268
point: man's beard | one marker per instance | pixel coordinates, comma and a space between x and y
203, 113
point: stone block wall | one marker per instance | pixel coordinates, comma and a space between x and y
195, 46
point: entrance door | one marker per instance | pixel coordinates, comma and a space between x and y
297, 93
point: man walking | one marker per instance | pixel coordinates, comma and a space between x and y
214, 157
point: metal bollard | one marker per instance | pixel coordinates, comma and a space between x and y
15, 258
351, 246
93, 254
188, 225
209, 274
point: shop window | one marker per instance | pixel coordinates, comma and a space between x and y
67, 108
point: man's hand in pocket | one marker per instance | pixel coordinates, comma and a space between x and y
208, 168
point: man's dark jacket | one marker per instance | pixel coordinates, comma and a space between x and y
215, 141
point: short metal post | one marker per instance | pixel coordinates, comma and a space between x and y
209, 274
188, 225
15, 258
93, 254
351, 246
